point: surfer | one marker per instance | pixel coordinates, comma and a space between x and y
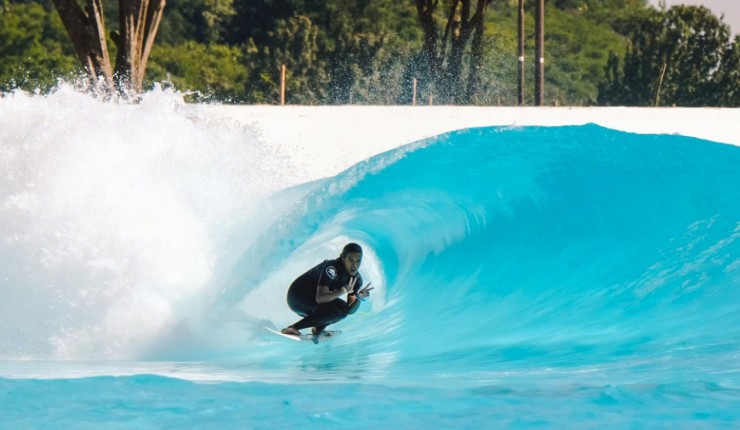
315, 295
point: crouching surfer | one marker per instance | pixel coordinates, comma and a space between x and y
316, 294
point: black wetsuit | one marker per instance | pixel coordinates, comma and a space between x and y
302, 295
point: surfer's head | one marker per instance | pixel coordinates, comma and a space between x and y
352, 258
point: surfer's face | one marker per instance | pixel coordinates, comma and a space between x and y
352, 262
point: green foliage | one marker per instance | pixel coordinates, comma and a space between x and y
363, 49
682, 56
617, 14
258, 19
212, 72
498, 85
216, 14
368, 51
334, 51
576, 49
202, 21
728, 76
34, 48
297, 47
184, 21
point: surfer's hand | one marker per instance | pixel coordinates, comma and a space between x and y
349, 288
365, 292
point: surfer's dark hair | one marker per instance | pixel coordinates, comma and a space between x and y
349, 248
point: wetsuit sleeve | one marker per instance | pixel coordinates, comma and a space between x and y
329, 277
322, 280
322, 276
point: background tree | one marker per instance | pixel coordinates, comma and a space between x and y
360, 51
206, 72
137, 29
440, 62
335, 51
34, 48
728, 76
579, 35
686, 45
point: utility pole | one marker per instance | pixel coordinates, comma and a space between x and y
539, 67
520, 70
282, 85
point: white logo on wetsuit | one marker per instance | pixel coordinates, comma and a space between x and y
331, 271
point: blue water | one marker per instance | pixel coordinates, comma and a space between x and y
555, 277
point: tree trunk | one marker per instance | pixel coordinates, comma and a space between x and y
476, 53
446, 67
460, 36
139, 21
87, 32
425, 10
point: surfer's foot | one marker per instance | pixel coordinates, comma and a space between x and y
290, 330
316, 331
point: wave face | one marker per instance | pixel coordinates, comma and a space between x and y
542, 247
538, 270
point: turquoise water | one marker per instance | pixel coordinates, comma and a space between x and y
558, 277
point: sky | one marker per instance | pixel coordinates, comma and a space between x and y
731, 9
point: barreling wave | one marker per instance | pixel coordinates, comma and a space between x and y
516, 245
489, 245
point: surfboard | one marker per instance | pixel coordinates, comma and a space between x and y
323, 337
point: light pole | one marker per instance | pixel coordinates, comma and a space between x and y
520, 70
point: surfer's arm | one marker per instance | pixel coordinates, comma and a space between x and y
352, 304
324, 295
355, 297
